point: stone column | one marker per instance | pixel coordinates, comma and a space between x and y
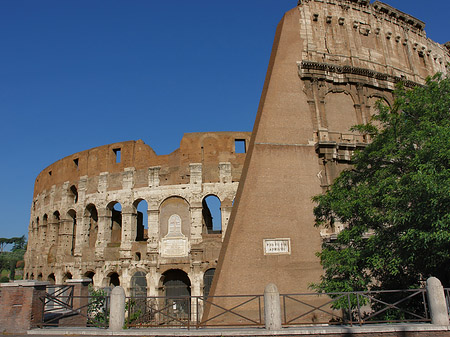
104, 232
272, 307
117, 311
436, 301
153, 226
129, 224
196, 222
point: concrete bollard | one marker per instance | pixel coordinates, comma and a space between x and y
272, 307
117, 310
436, 302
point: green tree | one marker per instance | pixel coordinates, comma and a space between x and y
9, 259
395, 200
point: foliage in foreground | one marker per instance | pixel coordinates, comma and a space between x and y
14, 258
395, 200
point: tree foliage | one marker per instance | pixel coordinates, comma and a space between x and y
9, 259
395, 200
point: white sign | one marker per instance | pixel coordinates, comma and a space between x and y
277, 246
174, 247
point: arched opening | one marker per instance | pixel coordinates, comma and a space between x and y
141, 220
32, 276
177, 291
89, 274
92, 214
207, 281
340, 114
39, 277
54, 228
113, 279
115, 209
73, 193
212, 215
67, 276
139, 284
44, 229
73, 230
51, 278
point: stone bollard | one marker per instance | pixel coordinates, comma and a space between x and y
272, 307
436, 302
117, 309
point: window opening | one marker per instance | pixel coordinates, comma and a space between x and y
142, 221
74, 192
114, 280
207, 281
75, 161
117, 153
212, 217
49, 173
239, 146
139, 285
177, 288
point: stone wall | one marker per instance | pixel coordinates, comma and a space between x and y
77, 229
331, 61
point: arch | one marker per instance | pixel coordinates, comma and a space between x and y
72, 215
32, 276
176, 286
171, 206
67, 276
114, 209
207, 281
139, 284
141, 219
92, 215
39, 277
89, 274
51, 278
54, 227
113, 279
340, 111
73, 194
372, 107
212, 214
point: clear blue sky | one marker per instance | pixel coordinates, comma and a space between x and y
76, 74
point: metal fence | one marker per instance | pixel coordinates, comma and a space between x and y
364, 307
63, 308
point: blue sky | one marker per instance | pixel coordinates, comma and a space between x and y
80, 74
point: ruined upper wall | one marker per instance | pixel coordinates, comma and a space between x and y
361, 38
207, 148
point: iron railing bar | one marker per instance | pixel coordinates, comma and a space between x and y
314, 309
231, 310
394, 305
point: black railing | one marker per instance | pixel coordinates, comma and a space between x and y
63, 308
347, 308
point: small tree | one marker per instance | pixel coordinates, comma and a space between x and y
395, 200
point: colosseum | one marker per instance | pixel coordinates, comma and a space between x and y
331, 61
86, 218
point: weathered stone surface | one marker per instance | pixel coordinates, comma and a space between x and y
75, 232
331, 61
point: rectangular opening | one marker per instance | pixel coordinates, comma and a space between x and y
75, 161
117, 154
239, 146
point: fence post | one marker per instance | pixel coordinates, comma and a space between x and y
436, 302
117, 309
272, 307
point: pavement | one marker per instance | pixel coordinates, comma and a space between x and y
237, 332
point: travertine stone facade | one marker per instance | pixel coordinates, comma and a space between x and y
331, 61
77, 230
